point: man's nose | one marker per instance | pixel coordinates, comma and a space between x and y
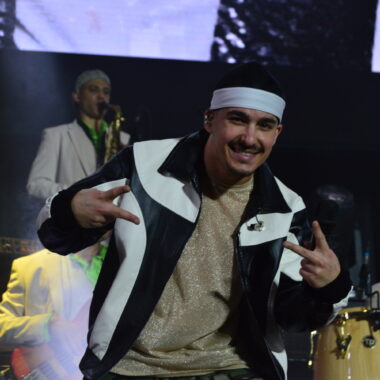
250, 135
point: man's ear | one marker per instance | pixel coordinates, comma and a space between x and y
208, 116
279, 129
75, 97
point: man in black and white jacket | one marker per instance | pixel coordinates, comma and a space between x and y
207, 260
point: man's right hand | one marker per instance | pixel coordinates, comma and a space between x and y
94, 208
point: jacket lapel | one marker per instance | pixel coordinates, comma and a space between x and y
57, 282
186, 158
82, 147
259, 262
266, 196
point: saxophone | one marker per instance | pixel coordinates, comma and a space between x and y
113, 144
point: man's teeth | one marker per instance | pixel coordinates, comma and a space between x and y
245, 153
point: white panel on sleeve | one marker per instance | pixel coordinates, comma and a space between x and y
131, 253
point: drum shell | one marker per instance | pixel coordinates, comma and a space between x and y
359, 363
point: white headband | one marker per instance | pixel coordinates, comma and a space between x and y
247, 97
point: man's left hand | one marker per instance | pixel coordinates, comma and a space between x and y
320, 266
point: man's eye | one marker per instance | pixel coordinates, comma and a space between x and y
267, 126
236, 120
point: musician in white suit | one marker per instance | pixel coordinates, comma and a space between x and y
70, 152
46, 306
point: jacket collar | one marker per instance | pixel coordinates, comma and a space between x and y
266, 197
185, 160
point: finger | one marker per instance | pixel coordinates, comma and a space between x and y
320, 239
115, 192
309, 267
305, 272
307, 254
309, 277
118, 212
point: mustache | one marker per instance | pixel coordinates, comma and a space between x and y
239, 146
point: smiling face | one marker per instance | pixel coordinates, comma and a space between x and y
240, 140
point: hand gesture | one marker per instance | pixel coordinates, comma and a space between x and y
320, 266
94, 208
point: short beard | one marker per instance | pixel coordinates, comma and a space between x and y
238, 175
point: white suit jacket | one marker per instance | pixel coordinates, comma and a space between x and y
41, 284
65, 156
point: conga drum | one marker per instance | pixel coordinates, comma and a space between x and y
348, 348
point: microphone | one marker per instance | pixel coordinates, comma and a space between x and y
259, 226
374, 316
365, 275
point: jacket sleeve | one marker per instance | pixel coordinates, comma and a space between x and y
298, 306
16, 328
58, 229
43, 173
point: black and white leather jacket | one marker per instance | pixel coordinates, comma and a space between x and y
166, 196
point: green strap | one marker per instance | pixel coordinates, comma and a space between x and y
92, 269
